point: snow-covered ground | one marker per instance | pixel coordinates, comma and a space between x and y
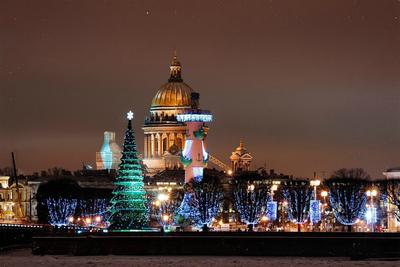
23, 257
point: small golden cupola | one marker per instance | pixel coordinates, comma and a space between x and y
240, 158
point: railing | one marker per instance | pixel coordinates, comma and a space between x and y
219, 163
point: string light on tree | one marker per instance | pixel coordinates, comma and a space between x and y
129, 205
61, 210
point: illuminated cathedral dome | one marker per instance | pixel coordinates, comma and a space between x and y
164, 135
175, 93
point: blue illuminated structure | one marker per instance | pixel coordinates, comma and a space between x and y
272, 210
315, 212
371, 215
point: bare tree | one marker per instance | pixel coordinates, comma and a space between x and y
347, 195
250, 199
392, 187
298, 194
206, 201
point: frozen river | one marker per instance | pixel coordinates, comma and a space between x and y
23, 257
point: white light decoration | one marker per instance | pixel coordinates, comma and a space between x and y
315, 182
198, 172
315, 213
162, 197
188, 147
129, 115
194, 117
205, 154
371, 216
272, 210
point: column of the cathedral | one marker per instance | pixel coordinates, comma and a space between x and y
152, 146
145, 146
159, 145
171, 139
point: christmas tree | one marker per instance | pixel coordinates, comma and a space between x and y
128, 206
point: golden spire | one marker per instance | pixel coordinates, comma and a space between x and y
241, 143
175, 70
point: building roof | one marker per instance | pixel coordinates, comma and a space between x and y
394, 169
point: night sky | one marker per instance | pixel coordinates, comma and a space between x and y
309, 85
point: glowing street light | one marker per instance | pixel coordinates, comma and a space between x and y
165, 217
97, 219
324, 194
315, 183
71, 219
371, 212
315, 211
162, 197
251, 188
372, 193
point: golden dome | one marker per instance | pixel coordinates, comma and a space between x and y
175, 93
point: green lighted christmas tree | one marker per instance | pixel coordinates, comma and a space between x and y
128, 205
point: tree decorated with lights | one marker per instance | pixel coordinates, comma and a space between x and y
347, 195
298, 194
129, 208
206, 199
166, 206
60, 209
393, 195
250, 200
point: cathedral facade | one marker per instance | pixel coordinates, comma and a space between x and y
164, 135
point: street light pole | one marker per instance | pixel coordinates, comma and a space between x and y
324, 194
314, 183
372, 193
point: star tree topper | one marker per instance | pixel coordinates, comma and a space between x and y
129, 115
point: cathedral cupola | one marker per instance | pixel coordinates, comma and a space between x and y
241, 158
175, 70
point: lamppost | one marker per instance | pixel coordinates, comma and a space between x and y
272, 206
324, 194
372, 210
164, 216
315, 213
315, 183
264, 220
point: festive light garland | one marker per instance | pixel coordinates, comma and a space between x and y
92, 207
315, 211
371, 215
250, 202
272, 210
60, 209
165, 211
298, 198
348, 202
194, 117
203, 201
